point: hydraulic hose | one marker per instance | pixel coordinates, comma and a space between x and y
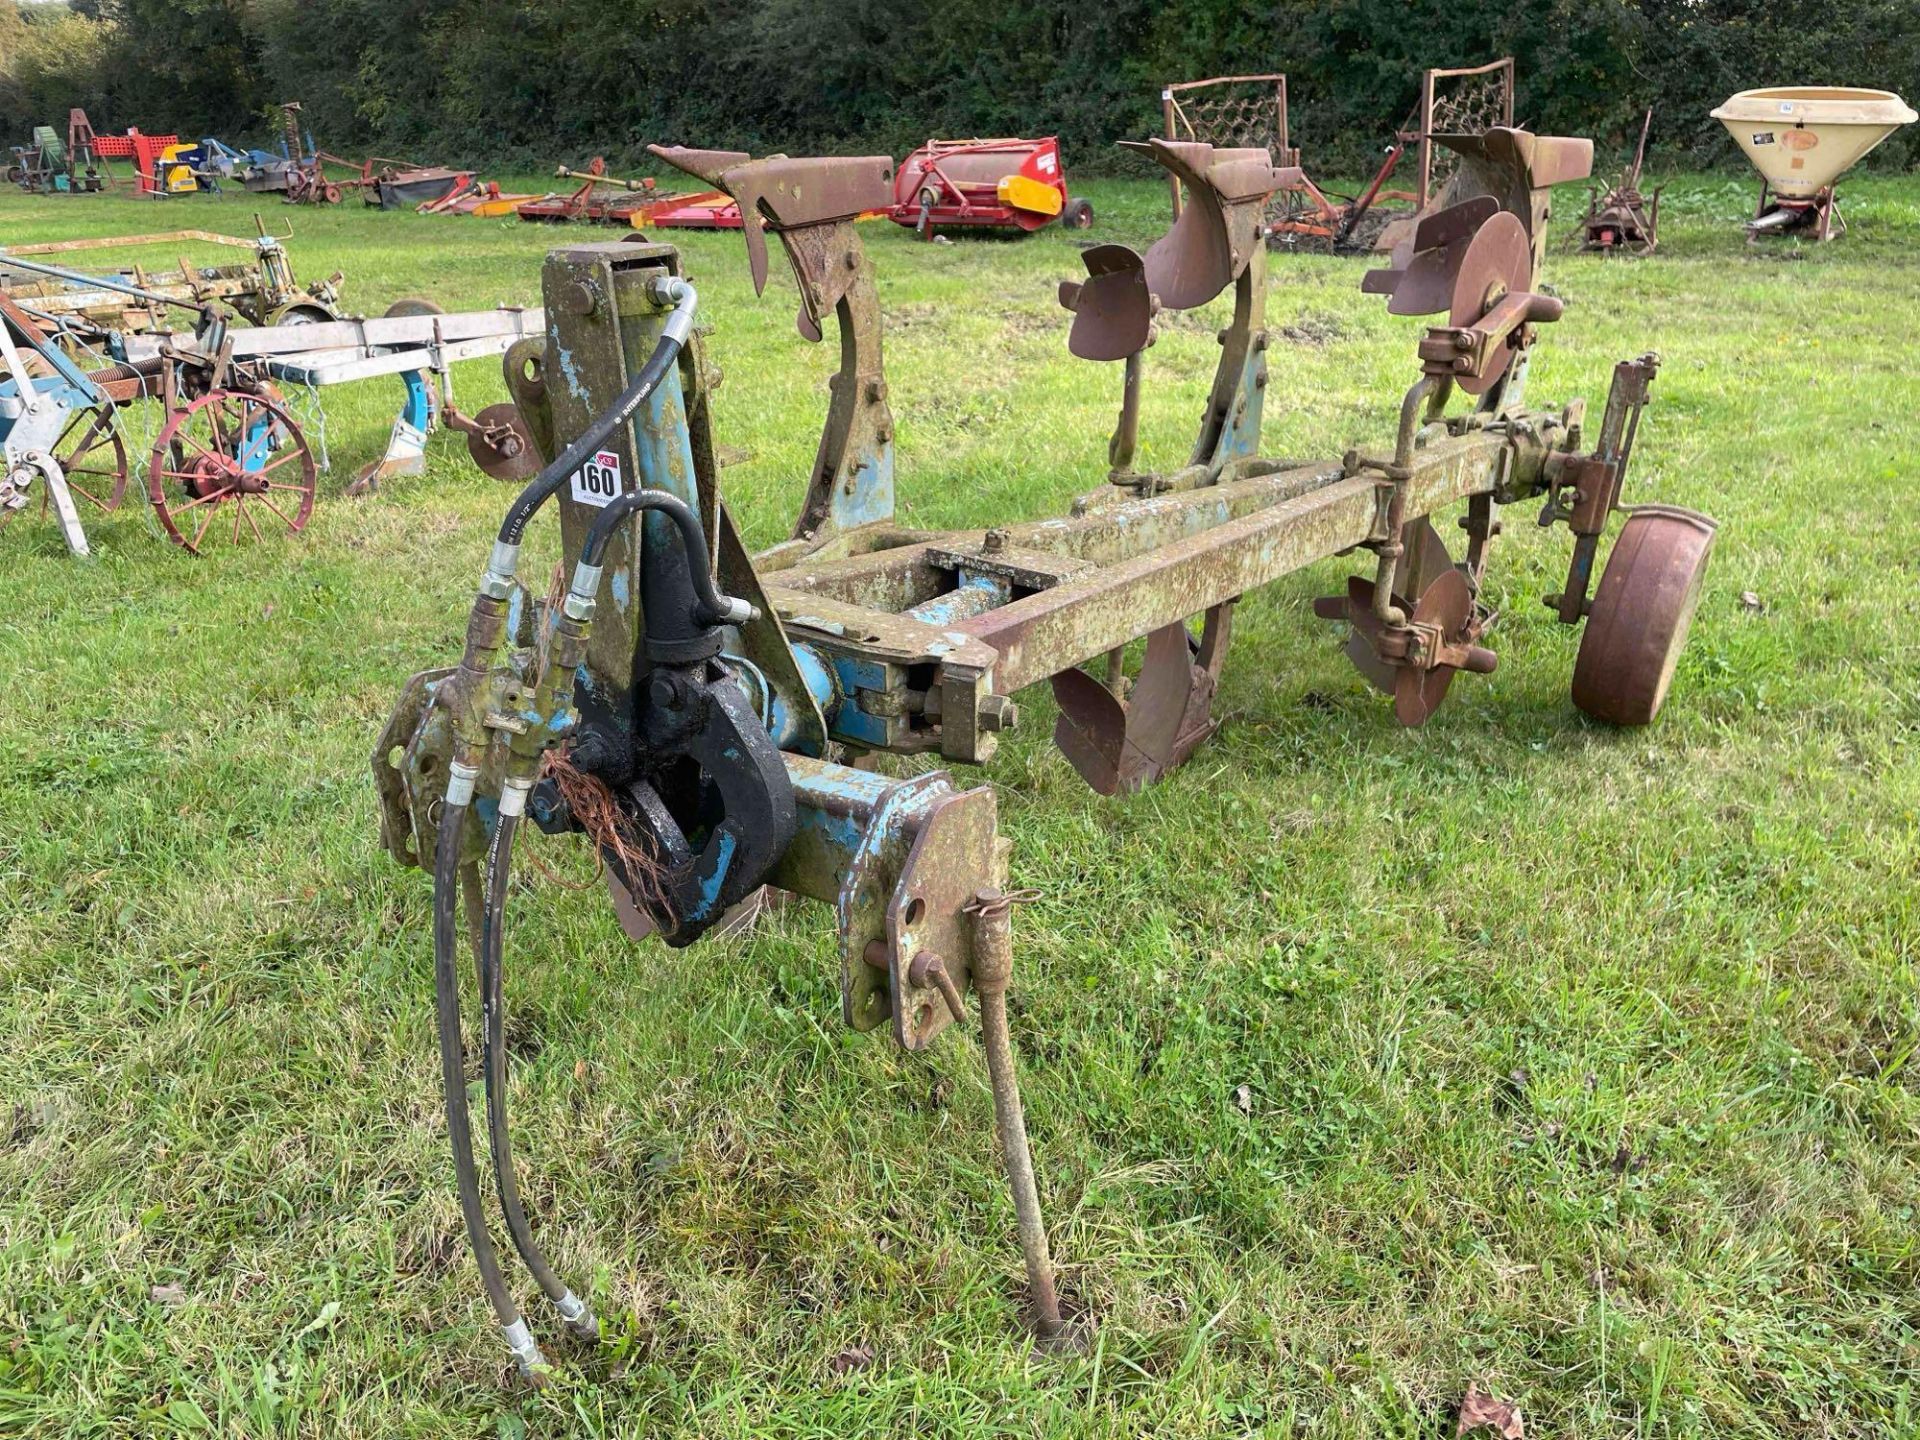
715, 608
446, 995
499, 872
665, 352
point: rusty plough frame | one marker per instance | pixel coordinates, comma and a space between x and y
688, 706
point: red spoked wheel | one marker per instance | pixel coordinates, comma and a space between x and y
92, 456
233, 466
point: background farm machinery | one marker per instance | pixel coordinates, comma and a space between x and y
1621, 217
1240, 111
226, 448
304, 174
969, 184
229, 461
1006, 184
600, 198
263, 291
690, 707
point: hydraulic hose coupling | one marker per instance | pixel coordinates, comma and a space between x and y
497, 583
579, 1318
461, 779
577, 610
526, 1350
665, 290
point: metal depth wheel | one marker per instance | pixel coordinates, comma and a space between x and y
225, 464
91, 454
1637, 625
302, 312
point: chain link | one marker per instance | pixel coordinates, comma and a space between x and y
303, 404
1472, 105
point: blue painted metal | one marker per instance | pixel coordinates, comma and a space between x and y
417, 407
257, 449
818, 674
872, 497
1240, 435
974, 595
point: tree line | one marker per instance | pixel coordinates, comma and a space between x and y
535, 82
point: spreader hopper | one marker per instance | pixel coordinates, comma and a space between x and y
1802, 139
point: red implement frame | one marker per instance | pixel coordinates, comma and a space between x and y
957, 182
693, 210
143, 150
601, 199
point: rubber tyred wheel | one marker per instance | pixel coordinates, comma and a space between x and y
1638, 623
231, 465
1078, 215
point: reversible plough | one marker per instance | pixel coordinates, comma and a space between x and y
692, 708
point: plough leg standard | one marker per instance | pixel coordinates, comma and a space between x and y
683, 703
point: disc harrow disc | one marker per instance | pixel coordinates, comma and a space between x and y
1448, 606
1497, 262
502, 446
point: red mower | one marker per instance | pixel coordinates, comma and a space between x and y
994, 184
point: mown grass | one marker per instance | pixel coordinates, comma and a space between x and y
1360, 1063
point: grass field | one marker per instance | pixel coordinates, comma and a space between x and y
1360, 1063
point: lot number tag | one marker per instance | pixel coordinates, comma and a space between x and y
598, 481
